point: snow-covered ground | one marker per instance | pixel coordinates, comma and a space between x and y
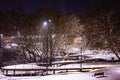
112, 71
110, 74
105, 55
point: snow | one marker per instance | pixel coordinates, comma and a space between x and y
11, 45
22, 66
73, 50
112, 70
110, 74
94, 54
100, 54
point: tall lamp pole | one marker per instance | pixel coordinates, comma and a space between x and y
81, 58
1, 40
81, 50
46, 24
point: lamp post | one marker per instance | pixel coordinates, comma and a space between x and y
81, 47
46, 25
81, 58
1, 40
79, 42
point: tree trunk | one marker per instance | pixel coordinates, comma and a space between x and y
112, 47
115, 52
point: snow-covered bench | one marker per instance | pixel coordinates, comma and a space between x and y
99, 74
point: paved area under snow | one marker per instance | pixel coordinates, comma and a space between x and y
110, 74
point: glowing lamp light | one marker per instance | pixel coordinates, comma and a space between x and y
75, 40
45, 23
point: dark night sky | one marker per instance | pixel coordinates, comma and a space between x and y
66, 6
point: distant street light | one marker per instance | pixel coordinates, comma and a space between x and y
79, 41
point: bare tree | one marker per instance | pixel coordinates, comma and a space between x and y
102, 32
108, 22
71, 29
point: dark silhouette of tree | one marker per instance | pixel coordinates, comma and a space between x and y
11, 21
102, 28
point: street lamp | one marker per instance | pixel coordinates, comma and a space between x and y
79, 42
1, 40
46, 25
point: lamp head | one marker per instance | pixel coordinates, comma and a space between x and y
45, 23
